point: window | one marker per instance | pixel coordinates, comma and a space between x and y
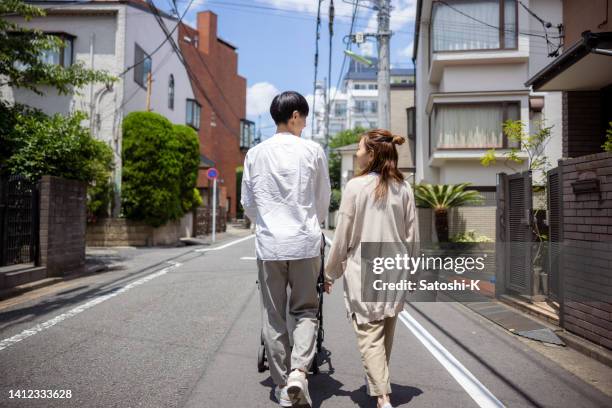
142, 66
335, 128
247, 133
193, 113
340, 109
171, 92
59, 56
373, 86
366, 106
472, 125
474, 25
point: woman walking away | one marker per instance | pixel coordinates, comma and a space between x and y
377, 206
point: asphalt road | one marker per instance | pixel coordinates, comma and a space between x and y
180, 328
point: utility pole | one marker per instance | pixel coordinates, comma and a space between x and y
384, 70
383, 37
149, 84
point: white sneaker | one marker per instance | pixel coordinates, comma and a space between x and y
282, 397
297, 388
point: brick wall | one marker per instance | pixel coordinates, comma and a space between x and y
587, 250
583, 130
63, 218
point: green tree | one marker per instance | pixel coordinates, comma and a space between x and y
189, 149
441, 198
340, 139
607, 146
20, 51
158, 171
532, 144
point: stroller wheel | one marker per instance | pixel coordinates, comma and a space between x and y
261, 359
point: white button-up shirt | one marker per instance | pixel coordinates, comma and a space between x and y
286, 192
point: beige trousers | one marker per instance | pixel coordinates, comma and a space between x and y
301, 276
375, 340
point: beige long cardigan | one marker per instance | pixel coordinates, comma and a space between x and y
360, 219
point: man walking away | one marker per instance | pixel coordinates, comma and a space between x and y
286, 192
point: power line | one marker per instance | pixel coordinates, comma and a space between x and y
163, 42
348, 47
316, 64
329, 68
193, 77
229, 105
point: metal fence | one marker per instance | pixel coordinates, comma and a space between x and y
19, 220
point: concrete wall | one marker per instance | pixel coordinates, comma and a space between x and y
402, 98
124, 232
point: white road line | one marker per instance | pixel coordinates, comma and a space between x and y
475, 389
73, 312
479, 393
249, 258
225, 245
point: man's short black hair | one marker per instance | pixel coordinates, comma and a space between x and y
285, 104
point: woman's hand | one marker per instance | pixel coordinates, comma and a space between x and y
327, 287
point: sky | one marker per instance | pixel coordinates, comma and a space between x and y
276, 43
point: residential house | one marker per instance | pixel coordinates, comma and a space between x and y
472, 59
220, 95
580, 198
109, 35
356, 105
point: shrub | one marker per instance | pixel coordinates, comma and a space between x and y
160, 168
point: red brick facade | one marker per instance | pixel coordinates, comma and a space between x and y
222, 94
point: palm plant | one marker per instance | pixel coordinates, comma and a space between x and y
442, 197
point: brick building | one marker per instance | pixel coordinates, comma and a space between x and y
219, 109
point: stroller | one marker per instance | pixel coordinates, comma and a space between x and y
314, 367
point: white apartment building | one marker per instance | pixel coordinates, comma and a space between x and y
125, 39
472, 59
356, 102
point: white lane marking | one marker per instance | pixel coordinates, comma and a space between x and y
249, 258
225, 245
73, 312
475, 389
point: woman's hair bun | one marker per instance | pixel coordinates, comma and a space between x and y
398, 140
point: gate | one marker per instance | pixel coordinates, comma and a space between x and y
514, 222
555, 229
19, 220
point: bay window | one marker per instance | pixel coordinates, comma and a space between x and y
472, 125
461, 25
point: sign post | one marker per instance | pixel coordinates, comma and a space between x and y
212, 174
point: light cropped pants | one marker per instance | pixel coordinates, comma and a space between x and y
301, 276
375, 340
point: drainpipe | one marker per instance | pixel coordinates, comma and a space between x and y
92, 39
